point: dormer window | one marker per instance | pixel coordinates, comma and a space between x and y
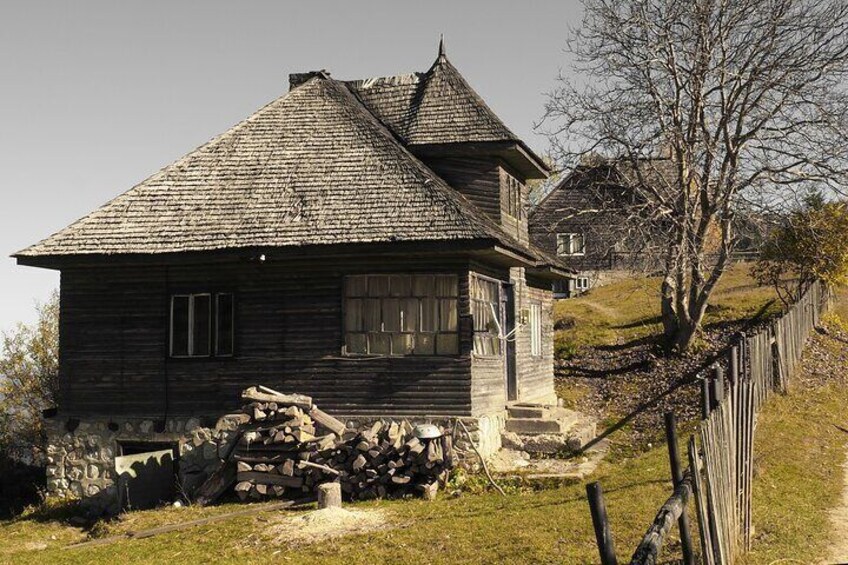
512, 204
571, 244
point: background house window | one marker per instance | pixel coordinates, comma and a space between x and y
401, 314
535, 323
571, 244
581, 283
486, 311
192, 325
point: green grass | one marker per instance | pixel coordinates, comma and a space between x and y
527, 526
799, 453
629, 310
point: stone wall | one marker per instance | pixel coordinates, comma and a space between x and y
81, 454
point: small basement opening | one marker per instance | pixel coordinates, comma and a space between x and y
147, 473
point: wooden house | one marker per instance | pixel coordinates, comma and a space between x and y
363, 242
587, 221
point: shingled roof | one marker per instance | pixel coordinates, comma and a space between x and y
316, 166
438, 106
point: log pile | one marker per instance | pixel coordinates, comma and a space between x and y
288, 447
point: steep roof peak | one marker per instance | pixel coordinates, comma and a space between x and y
442, 57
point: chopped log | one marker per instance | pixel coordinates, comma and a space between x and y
217, 484
329, 495
324, 468
269, 479
287, 468
325, 420
264, 394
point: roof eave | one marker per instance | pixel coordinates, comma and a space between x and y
515, 153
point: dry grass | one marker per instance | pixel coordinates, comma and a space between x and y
629, 310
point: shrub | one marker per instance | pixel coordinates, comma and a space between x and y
29, 362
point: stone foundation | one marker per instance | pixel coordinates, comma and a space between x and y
81, 454
81, 459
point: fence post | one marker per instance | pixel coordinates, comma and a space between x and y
705, 397
717, 387
603, 535
677, 478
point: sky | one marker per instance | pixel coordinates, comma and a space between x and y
97, 96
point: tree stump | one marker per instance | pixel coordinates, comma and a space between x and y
329, 495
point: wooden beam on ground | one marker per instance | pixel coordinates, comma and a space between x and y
649, 549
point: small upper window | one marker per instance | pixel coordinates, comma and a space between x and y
194, 325
512, 203
571, 244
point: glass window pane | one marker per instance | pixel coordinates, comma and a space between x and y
356, 285
391, 315
409, 315
446, 285
224, 334
356, 343
429, 315
378, 285
354, 319
400, 285
402, 344
423, 285
179, 325
447, 315
201, 333
379, 343
425, 344
371, 315
447, 344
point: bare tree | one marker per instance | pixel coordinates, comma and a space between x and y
747, 100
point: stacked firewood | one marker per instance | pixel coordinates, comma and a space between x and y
288, 447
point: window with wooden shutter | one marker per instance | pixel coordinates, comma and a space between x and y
401, 314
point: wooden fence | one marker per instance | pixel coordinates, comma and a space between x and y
720, 474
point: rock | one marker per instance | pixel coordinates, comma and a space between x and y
192, 424
511, 440
145, 426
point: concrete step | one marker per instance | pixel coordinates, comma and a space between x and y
568, 435
531, 426
528, 411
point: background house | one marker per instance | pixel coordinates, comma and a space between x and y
589, 220
362, 242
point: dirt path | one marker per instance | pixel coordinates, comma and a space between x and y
602, 308
838, 552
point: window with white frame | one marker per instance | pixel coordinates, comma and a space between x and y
202, 325
581, 283
486, 312
401, 314
535, 323
570, 244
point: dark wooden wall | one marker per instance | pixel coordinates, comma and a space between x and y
477, 178
288, 336
565, 211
